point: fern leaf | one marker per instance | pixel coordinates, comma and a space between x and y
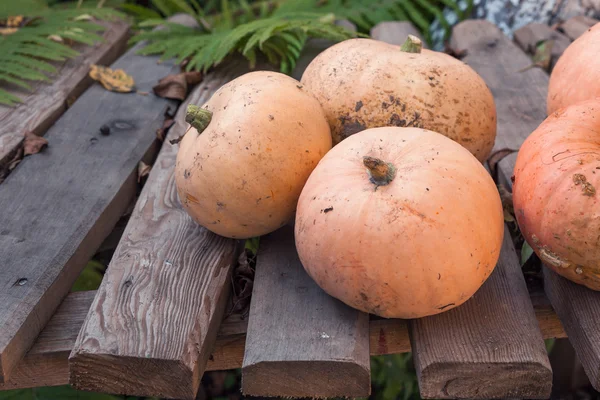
8, 99
140, 11
15, 81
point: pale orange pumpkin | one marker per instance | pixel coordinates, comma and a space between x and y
241, 169
399, 222
555, 192
576, 76
364, 83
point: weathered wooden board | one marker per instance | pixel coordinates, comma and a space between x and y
530, 35
58, 206
301, 342
48, 101
46, 363
576, 26
156, 316
490, 347
393, 32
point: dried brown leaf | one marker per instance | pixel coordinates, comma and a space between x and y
8, 31
143, 170
175, 86
33, 144
161, 132
115, 81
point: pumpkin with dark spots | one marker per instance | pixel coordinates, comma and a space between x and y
555, 192
399, 222
377, 84
240, 169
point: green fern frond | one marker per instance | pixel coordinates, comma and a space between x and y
280, 38
25, 54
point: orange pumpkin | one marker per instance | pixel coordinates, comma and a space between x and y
364, 83
241, 169
557, 175
399, 222
576, 76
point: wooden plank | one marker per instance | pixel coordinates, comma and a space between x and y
59, 205
530, 35
301, 342
46, 363
393, 32
500, 63
43, 105
579, 310
577, 26
490, 347
156, 315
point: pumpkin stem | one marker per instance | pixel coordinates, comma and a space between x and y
380, 172
198, 117
412, 45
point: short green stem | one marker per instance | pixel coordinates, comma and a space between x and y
412, 45
381, 173
198, 117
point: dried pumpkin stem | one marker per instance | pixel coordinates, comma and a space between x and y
198, 117
412, 45
380, 172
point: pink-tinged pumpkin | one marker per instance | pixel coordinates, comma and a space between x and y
242, 166
399, 222
555, 192
364, 83
576, 75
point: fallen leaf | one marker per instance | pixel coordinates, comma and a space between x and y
83, 17
495, 158
115, 81
15, 21
243, 282
143, 170
56, 38
161, 133
33, 144
542, 55
175, 86
8, 31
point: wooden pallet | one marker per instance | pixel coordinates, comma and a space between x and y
155, 325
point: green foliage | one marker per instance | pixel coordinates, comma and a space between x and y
526, 253
25, 55
252, 245
394, 377
90, 278
277, 30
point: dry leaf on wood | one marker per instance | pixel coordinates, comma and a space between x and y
175, 86
33, 144
161, 133
115, 81
143, 170
243, 282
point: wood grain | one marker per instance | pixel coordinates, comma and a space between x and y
155, 317
489, 347
520, 96
394, 32
577, 26
528, 36
301, 342
579, 310
46, 363
58, 206
43, 105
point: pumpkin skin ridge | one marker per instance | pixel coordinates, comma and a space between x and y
249, 165
377, 85
404, 225
574, 78
556, 216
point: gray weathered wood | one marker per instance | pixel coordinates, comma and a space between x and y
301, 342
528, 36
489, 347
155, 318
520, 96
58, 206
577, 26
48, 101
579, 310
393, 32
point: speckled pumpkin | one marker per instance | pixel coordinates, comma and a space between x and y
555, 192
242, 166
576, 76
399, 222
364, 83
